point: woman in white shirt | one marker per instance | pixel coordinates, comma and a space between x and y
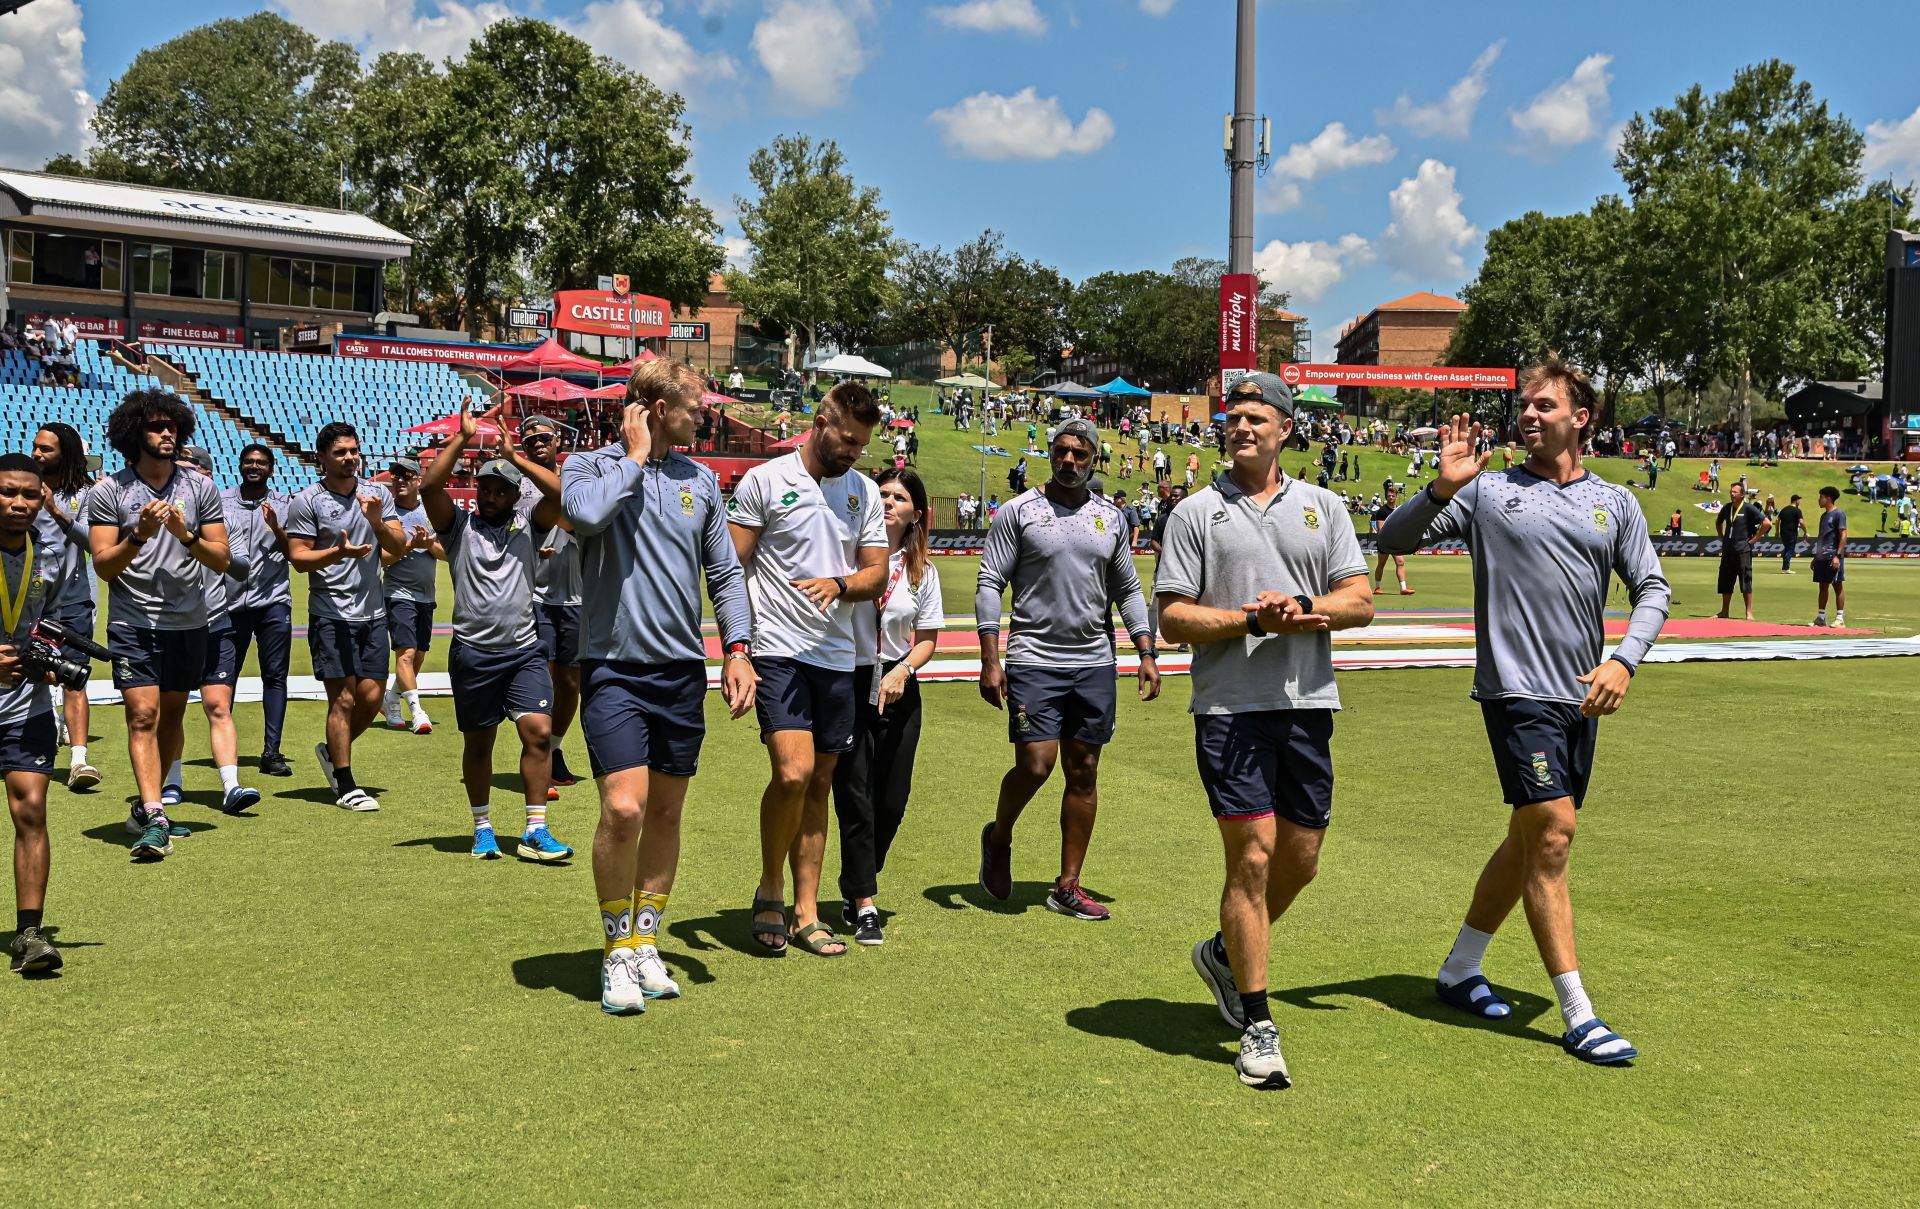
893, 639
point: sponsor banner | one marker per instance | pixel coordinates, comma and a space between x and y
974, 541
610, 313
192, 333
964, 541
1423, 377
306, 335
484, 356
1239, 325
752, 394
527, 316
91, 327
695, 333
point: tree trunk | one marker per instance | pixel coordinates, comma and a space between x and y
1746, 407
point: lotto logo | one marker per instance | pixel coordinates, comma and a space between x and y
790, 499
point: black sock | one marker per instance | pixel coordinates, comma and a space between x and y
1220, 950
24, 919
1254, 1004
343, 780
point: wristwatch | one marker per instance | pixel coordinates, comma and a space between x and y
1254, 627
840, 585
190, 538
739, 650
136, 541
1305, 602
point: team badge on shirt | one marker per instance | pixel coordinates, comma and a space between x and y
1600, 519
686, 502
853, 502
1099, 524
1310, 518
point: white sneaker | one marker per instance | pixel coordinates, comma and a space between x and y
654, 981
1260, 1065
1839, 619
325, 760
620, 993
422, 725
394, 720
357, 800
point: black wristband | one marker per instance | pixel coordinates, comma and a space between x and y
1305, 602
135, 540
840, 584
1254, 627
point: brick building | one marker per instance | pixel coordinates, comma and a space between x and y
1414, 330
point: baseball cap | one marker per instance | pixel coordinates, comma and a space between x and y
1273, 392
197, 455
539, 424
500, 468
410, 465
1078, 427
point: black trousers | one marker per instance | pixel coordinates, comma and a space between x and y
872, 782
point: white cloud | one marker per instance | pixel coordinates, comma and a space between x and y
992, 16
1332, 150
1428, 230
1308, 269
44, 106
632, 32
1572, 111
739, 251
1156, 8
1615, 136
381, 25
1893, 149
1451, 116
811, 51
1024, 126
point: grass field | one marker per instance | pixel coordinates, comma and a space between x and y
310, 1006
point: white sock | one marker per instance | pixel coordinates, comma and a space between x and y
229, 777
80, 753
482, 817
1575, 1007
412, 698
173, 774
1469, 949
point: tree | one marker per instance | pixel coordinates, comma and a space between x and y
1164, 327
951, 298
822, 243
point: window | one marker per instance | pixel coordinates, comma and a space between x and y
186, 273
322, 285
112, 253
281, 292
367, 295
220, 279
303, 283
71, 261
20, 257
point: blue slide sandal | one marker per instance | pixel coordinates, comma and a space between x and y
1488, 1006
1589, 1037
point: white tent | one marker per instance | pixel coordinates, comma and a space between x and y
857, 367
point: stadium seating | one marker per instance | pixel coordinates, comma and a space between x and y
296, 394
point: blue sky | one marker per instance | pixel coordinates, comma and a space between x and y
1089, 130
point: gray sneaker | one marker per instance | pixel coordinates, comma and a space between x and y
1218, 976
32, 953
1260, 1065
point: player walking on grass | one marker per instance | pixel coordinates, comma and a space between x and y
1255, 572
1545, 537
650, 523
809, 530
556, 595
1379, 517
1830, 557
407, 583
1064, 552
497, 664
333, 527
263, 609
31, 578
155, 527
62, 525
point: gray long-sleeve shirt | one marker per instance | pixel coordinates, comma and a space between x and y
645, 536
1067, 566
1543, 555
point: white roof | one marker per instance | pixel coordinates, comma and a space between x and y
847, 363
141, 211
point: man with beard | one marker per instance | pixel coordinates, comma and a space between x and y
497, 664
556, 592
28, 745
154, 526
408, 581
1064, 551
62, 525
262, 609
333, 527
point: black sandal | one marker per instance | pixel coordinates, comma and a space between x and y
764, 933
814, 939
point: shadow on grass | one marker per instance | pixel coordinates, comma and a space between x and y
461, 844
116, 833
322, 795
52, 933
1182, 1030
1025, 897
578, 974
1413, 995
727, 930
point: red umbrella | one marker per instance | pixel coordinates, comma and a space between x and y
552, 358
627, 367
552, 390
901, 423
448, 425
709, 399
612, 390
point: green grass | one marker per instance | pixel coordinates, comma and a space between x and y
311, 1006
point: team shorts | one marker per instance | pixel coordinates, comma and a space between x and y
222, 663
1736, 573
77, 617
490, 687
1049, 703
1829, 570
410, 624
343, 648
1542, 749
643, 715
559, 627
799, 696
1267, 762
29, 744
173, 661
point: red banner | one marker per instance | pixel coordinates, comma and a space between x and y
91, 327
1422, 377
1239, 325
488, 356
192, 333
605, 313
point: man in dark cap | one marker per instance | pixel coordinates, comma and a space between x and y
556, 590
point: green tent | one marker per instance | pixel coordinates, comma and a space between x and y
1316, 397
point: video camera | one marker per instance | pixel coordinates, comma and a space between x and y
47, 651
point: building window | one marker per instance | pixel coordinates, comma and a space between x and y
20, 257
112, 254
69, 261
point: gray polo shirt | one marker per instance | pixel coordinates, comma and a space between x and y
412, 577
162, 588
1543, 557
491, 567
268, 582
1066, 566
350, 589
556, 578
1224, 549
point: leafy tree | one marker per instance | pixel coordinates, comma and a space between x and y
1017, 364
822, 243
952, 297
1164, 327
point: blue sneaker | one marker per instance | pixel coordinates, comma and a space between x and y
170, 795
539, 845
238, 799
485, 846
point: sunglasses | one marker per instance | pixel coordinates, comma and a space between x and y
162, 426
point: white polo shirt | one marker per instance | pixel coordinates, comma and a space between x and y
808, 530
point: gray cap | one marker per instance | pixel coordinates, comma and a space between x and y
1273, 392
410, 465
539, 424
197, 454
500, 468
1078, 427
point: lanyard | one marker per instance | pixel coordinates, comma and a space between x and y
880, 610
12, 604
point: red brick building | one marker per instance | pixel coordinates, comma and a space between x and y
1414, 330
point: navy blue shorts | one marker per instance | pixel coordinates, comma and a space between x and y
222, 664
643, 715
410, 624
1268, 762
174, 661
799, 696
1829, 570
559, 627
342, 649
1046, 703
1542, 749
489, 687
29, 745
